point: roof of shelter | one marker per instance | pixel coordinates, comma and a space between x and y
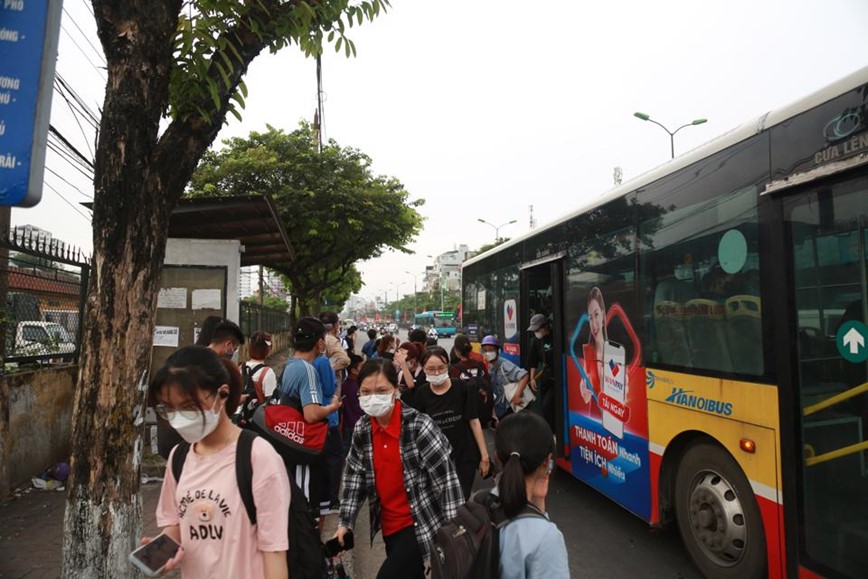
253, 220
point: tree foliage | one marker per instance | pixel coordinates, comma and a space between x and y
269, 301
335, 210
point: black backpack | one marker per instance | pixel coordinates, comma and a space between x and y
304, 558
468, 546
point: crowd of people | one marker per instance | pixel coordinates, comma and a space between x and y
405, 433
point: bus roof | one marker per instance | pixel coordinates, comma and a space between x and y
715, 145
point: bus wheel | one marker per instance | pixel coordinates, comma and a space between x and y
717, 514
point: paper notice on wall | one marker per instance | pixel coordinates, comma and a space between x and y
206, 299
166, 336
172, 298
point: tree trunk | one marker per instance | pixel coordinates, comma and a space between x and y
137, 183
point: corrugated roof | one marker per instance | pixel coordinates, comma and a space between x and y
253, 220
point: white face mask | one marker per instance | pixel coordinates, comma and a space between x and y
376, 405
539, 334
438, 379
194, 427
490, 356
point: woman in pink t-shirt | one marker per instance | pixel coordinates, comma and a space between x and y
197, 393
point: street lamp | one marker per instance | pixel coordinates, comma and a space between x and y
645, 117
415, 310
496, 227
397, 289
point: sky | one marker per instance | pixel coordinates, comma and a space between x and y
486, 107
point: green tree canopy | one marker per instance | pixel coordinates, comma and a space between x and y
335, 210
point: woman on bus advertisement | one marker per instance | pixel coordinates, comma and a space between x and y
608, 409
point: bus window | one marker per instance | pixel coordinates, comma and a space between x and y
700, 268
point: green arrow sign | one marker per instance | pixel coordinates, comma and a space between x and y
851, 341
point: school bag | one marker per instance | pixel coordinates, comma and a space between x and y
251, 386
468, 546
255, 394
281, 422
304, 558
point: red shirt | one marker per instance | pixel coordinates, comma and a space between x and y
389, 474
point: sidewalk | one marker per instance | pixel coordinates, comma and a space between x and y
31, 535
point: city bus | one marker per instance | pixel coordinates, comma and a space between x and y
708, 324
442, 322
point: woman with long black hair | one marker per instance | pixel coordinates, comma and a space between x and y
531, 546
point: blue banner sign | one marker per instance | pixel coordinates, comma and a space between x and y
28, 48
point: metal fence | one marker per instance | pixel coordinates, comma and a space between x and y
256, 318
44, 283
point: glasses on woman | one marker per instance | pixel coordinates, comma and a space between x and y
434, 370
189, 410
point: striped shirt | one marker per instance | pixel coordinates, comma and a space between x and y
433, 490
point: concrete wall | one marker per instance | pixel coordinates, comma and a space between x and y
35, 422
221, 252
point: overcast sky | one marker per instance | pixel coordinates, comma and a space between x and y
485, 107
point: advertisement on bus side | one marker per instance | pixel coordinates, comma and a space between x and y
608, 411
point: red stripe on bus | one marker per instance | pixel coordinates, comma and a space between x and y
655, 461
772, 515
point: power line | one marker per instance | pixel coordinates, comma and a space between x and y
83, 53
74, 23
53, 131
67, 201
88, 6
59, 176
80, 128
63, 88
66, 156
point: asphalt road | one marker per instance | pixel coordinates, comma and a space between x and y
604, 540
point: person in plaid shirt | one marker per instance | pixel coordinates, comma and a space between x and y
399, 461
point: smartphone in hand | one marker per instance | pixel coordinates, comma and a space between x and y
151, 558
331, 547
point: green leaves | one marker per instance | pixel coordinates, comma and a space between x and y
216, 40
334, 209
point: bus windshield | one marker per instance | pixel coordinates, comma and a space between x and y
442, 322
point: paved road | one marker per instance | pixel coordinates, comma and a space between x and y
604, 540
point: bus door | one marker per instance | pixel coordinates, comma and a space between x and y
826, 228
542, 293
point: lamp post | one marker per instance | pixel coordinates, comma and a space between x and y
496, 227
648, 118
397, 289
415, 310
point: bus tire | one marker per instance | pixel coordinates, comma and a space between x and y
717, 514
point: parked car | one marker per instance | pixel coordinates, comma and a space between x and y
33, 338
